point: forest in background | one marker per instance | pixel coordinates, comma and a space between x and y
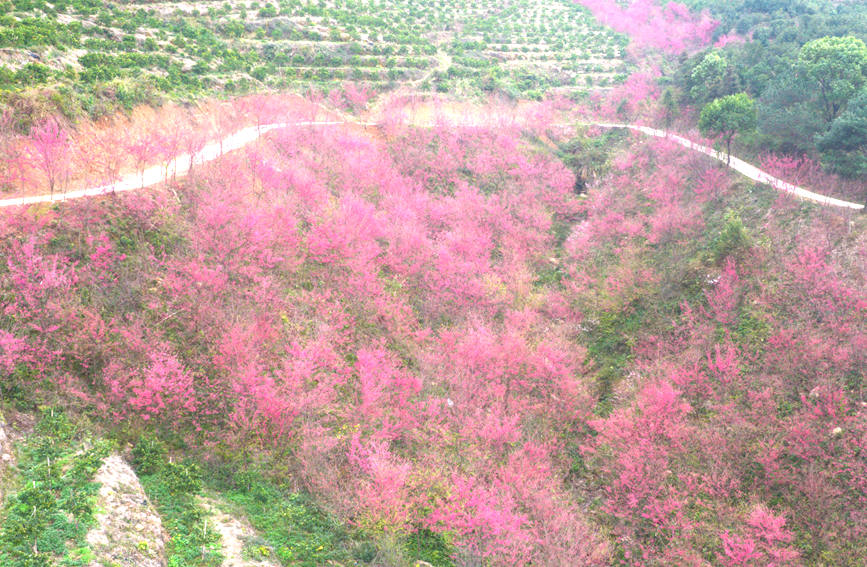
804, 105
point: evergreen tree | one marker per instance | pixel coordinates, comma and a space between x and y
728, 116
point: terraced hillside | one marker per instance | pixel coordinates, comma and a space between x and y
93, 56
538, 46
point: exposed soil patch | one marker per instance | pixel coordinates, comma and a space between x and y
236, 533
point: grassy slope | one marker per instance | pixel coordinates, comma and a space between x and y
47, 515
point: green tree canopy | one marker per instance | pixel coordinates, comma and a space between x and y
844, 146
727, 116
706, 77
839, 65
788, 120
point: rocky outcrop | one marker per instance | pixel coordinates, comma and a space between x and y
129, 532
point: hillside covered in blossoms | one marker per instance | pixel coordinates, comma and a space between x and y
490, 306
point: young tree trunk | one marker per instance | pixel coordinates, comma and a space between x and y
729, 150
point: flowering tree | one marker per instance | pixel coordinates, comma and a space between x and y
9, 166
49, 151
670, 28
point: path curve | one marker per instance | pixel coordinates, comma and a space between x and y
155, 175
739, 165
180, 166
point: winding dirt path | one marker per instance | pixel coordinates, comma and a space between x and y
181, 165
155, 175
235, 533
739, 165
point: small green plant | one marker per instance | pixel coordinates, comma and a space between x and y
257, 550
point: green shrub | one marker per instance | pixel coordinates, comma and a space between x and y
55, 425
32, 74
182, 478
148, 455
291, 525
732, 239
429, 546
268, 11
